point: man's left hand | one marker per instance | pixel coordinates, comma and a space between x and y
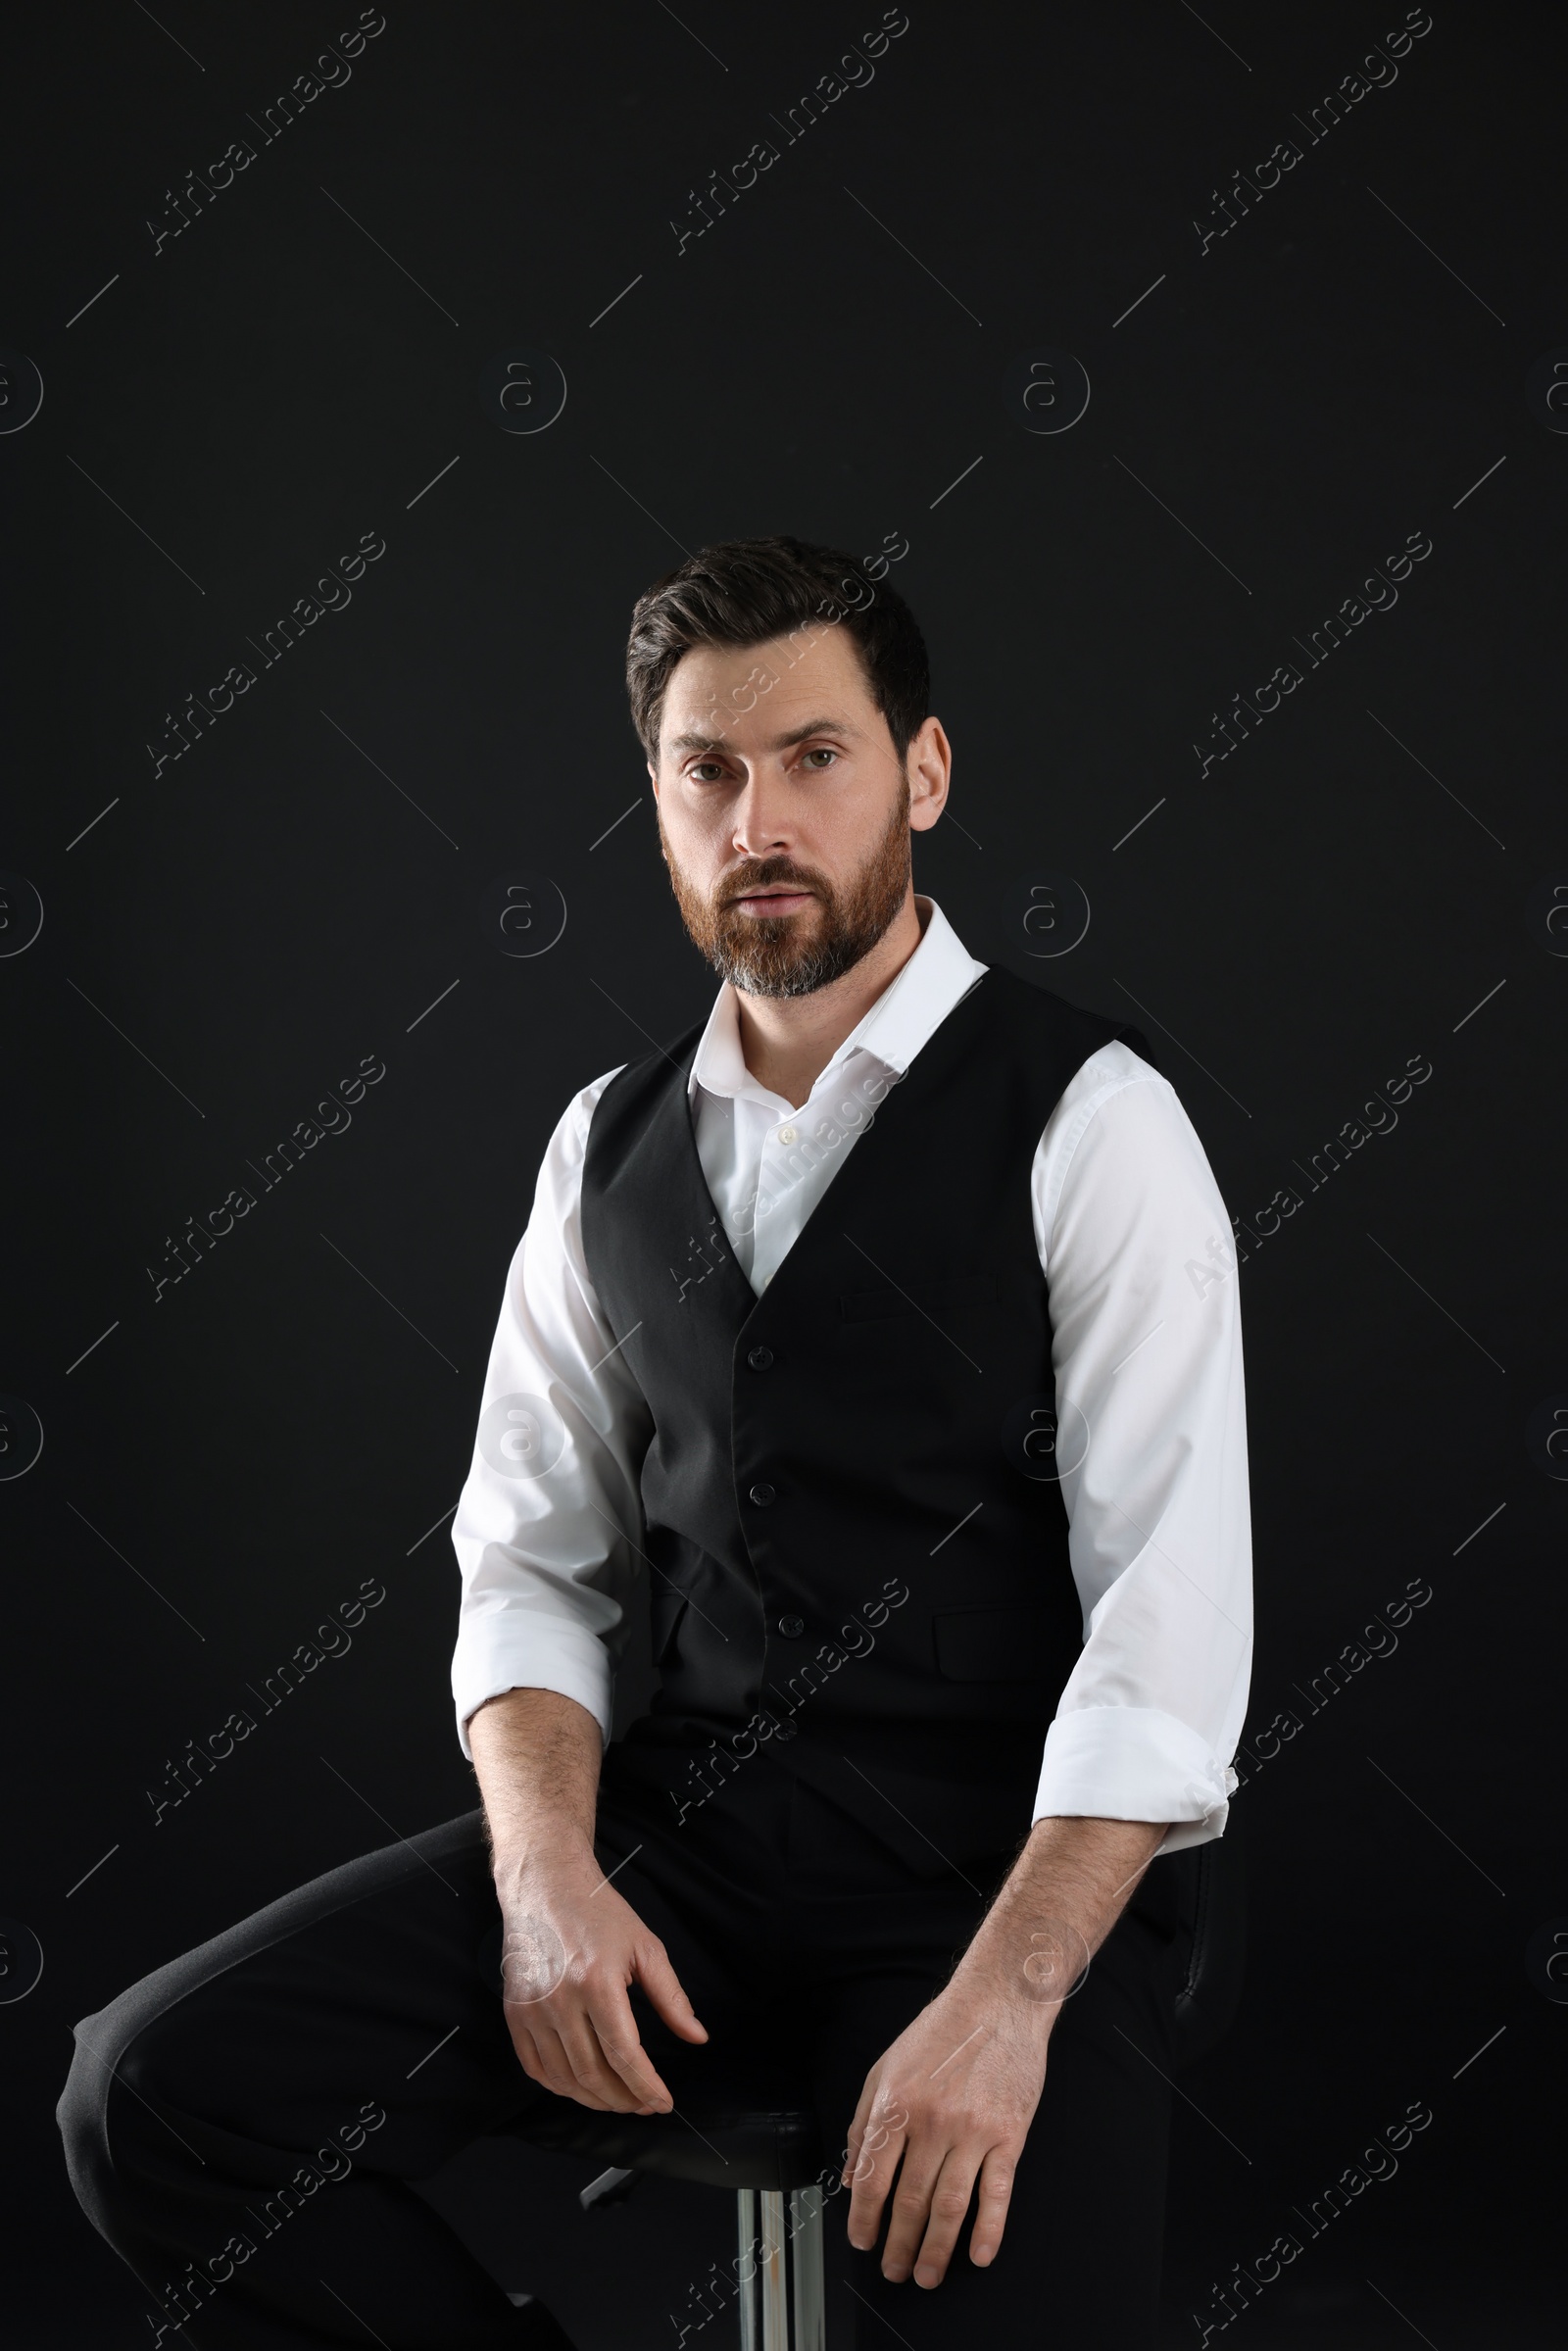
952, 2098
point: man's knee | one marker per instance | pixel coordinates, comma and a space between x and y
129, 2064
80, 2117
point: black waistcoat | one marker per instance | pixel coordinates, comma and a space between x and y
852, 1521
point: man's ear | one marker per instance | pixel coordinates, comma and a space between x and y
930, 765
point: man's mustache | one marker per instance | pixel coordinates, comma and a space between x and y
753, 884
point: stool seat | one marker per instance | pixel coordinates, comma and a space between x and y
771, 2156
774, 2147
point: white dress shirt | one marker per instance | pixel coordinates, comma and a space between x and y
1146, 1352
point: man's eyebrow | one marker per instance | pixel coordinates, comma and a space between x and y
785, 742
814, 726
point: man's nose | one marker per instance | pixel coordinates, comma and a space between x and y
761, 821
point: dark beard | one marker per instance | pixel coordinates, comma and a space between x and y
771, 955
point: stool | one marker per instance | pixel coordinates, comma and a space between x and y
772, 2159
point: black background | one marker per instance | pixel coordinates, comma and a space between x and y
1340, 894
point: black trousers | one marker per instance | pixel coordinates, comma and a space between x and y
243, 2125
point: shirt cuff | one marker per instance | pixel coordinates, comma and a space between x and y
1135, 1763
521, 1649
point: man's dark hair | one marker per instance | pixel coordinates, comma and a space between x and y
742, 591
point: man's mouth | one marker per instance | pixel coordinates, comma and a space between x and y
780, 897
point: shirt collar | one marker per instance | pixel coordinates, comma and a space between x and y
914, 1005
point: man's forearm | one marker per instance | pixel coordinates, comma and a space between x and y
537, 1756
1063, 1896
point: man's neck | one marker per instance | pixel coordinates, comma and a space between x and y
788, 1041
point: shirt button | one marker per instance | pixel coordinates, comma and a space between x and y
786, 1134
759, 1358
761, 1496
792, 1626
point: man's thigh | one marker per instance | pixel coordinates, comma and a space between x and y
373, 1988
356, 2027
350, 2013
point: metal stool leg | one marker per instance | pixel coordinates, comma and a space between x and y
746, 2267
774, 2267
805, 2236
779, 2269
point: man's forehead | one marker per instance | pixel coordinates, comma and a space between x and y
763, 694
812, 654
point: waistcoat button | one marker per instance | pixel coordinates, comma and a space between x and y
761, 1496
785, 1731
759, 1358
792, 1626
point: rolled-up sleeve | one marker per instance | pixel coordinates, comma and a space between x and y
1152, 1443
548, 1524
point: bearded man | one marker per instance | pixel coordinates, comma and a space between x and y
856, 1336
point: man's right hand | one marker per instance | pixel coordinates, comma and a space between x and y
571, 1951
572, 1948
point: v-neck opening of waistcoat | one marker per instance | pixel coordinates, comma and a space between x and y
920, 1064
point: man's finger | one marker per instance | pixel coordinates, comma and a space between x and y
871, 2134
880, 2149
560, 2075
616, 2030
911, 2208
527, 2056
950, 2201
852, 2146
997, 2176
664, 1990
535, 2061
590, 2068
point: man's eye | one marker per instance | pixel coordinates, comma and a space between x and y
823, 754
705, 772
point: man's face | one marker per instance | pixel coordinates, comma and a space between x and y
784, 810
